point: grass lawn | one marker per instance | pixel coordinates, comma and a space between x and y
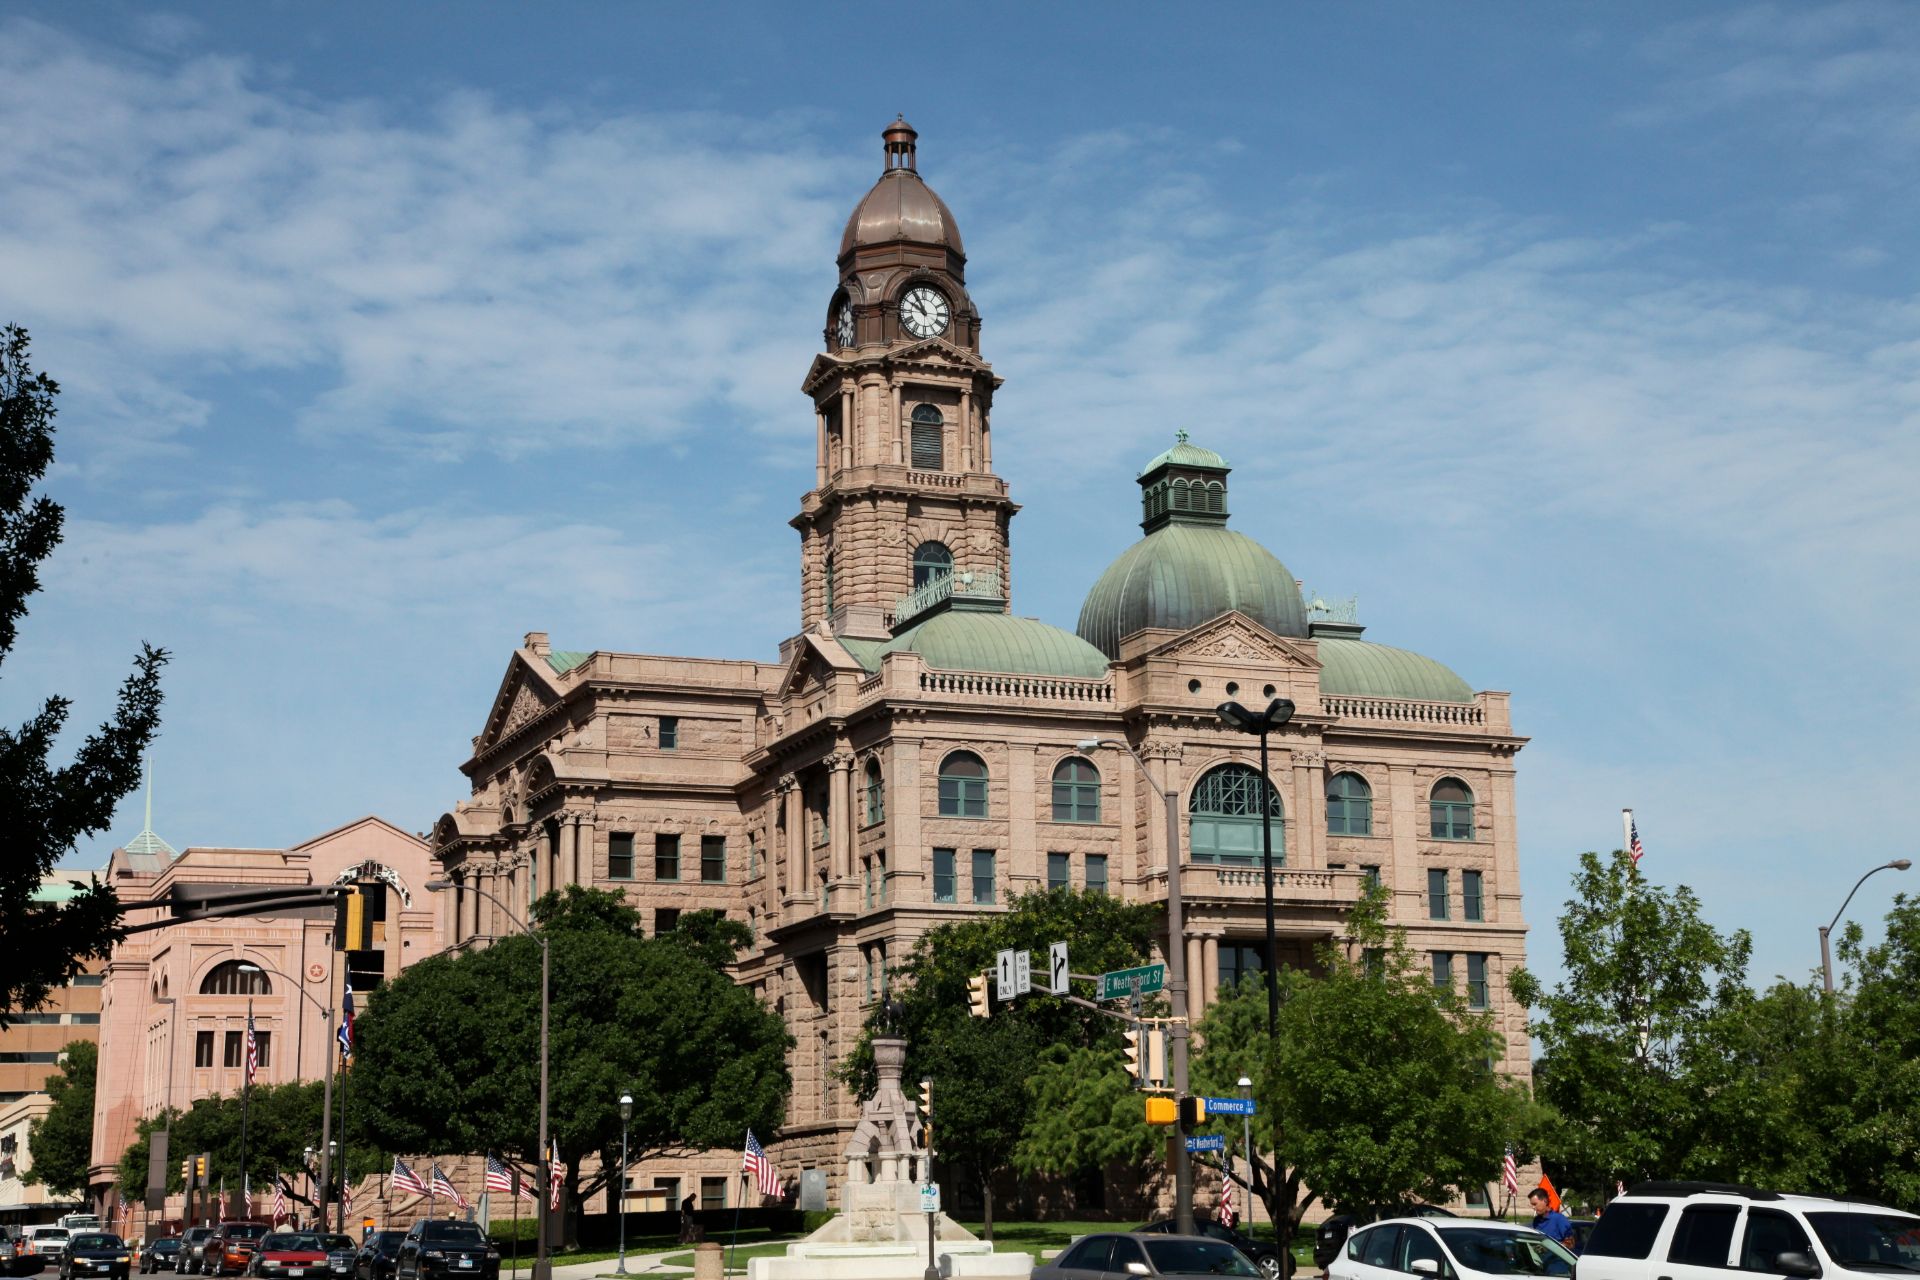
757, 1236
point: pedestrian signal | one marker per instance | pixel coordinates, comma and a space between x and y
1193, 1112
1161, 1109
977, 1002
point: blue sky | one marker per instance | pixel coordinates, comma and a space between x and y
1581, 343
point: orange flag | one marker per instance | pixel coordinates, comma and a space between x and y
1553, 1197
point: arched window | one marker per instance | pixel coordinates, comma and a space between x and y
1349, 805
830, 584
1181, 499
1451, 807
928, 446
876, 793
931, 560
963, 786
1216, 497
1225, 817
1076, 791
235, 978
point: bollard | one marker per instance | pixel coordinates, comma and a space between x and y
709, 1262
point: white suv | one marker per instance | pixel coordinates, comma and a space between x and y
1705, 1230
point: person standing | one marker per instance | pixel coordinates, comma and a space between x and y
1549, 1221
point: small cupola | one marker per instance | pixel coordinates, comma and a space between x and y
1184, 485
899, 137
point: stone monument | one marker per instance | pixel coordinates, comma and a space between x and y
880, 1232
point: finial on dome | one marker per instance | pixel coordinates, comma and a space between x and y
1180, 436
899, 137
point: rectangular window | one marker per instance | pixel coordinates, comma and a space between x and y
666, 856
89, 979
620, 855
1372, 874
713, 1193
880, 871
669, 733
203, 1048
31, 1056
1626, 1230
963, 797
822, 833
668, 1189
943, 886
1096, 873
983, 877
866, 875
876, 796
1704, 1237
867, 955
235, 1051
665, 920
713, 859
926, 446
1436, 894
263, 1044
1472, 900
1476, 982
1059, 871
1443, 969
1237, 961
881, 950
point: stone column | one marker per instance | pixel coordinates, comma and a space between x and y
986, 438
966, 430
899, 430
1196, 969
820, 449
1210, 971
840, 814
789, 788
846, 425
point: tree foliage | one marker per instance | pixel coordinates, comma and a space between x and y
43, 809
62, 1140
449, 1052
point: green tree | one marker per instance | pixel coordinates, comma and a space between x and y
982, 1107
1647, 983
449, 1052
45, 810
62, 1139
1866, 1081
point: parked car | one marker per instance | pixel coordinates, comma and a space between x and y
1684, 1229
1454, 1248
282, 1254
159, 1254
377, 1255
340, 1250
1273, 1261
12, 1261
193, 1241
1332, 1234
1134, 1253
43, 1245
441, 1248
229, 1250
95, 1253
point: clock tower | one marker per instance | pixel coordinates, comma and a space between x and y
904, 491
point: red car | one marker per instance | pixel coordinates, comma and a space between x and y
229, 1250
289, 1253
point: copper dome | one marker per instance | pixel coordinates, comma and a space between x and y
901, 206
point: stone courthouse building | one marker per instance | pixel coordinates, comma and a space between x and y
909, 757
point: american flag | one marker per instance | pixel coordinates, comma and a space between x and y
346, 1023
405, 1179
556, 1174
346, 1197
1225, 1215
756, 1164
1510, 1174
508, 1180
440, 1184
253, 1052
1634, 846
279, 1198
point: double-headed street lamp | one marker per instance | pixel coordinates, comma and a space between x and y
626, 1114
1235, 716
1826, 954
542, 1266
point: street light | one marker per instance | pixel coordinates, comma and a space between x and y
626, 1114
1235, 716
326, 1095
1246, 1139
1176, 983
542, 1266
1826, 955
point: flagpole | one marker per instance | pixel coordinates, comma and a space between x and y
246, 1091
340, 1205
737, 1206
515, 1180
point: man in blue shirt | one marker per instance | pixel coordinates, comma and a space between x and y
1548, 1221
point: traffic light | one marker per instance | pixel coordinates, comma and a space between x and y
977, 1003
1160, 1109
186, 1172
1136, 1065
926, 1114
1193, 1112
350, 921
1153, 1065
200, 1170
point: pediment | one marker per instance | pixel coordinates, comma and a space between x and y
1234, 637
815, 661
525, 694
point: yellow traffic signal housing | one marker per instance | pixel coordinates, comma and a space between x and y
1161, 1109
200, 1170
977, 1002
186, 1172
926, 1114
1193, 1112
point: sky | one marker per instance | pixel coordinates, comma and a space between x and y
1580, 343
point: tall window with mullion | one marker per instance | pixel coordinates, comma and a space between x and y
1450, 805
928, 449
1225, 817
1076, 791
983, 861
944, 889
1096, 873
666, 856
1472, 896
620, 855
1059, 871
1436, 894
1476, 981
963, 786
1443, 970
713, 859
876, 794
1349, 805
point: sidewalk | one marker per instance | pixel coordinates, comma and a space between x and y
637, 1264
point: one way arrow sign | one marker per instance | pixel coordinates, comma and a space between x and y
1057, 969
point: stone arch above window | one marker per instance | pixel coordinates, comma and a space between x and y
1224, 822
1076, 791
931, 561
1349, 805
963, 786
1450, 810
928, 438
235, 978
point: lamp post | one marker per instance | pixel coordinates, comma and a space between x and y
306, 1162
1235, 716
626, 1114
326, 1094
1246, 1140
1826, 954
542, 1266
1176, 983
166, 1107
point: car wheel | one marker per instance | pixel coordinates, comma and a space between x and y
1270, 1266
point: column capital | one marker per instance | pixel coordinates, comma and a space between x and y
840, 761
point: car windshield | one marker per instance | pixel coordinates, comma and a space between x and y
389, 1239
245, 1231
331, 1243
1870, 1241
1504, 1252
97, 1242
453, 1232
289, 1241
50, 1233
1197, 1258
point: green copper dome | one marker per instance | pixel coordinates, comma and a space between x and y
1187, 455
1357, 668
967, 639
1181, 575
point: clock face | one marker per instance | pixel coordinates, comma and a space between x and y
924, 312
843, 327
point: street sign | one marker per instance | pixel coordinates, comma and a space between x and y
929, 1197
1231, 1107
1212, 1142
1003, 975
1022, 972
1121, 983
1057, 969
